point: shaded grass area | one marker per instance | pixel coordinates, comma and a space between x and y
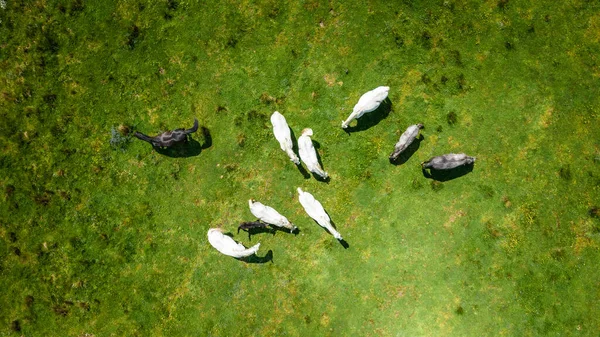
104, 241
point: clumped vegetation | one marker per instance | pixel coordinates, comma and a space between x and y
120, 137
594, 212
452, 118
102, 235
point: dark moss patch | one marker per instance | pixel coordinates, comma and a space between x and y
416, 184
459, 310
273, 13
398, 41
49, 99
425, 79
267, 99
15, 325
502, 4
487, 191
29, 301
565, 173
132, 38
232, 42
49, 43
594, 212
12, 236
60, 310
68, 152
451, 118
77, 243
558, 254
172, 5
425, 40
455, 54
175, 170
31, 30
231, 167
436, 186
76, 7
254, 116
43, 198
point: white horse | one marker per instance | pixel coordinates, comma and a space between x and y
367, 103
316, 211
283, 135
308, 154
226, 245
269, 215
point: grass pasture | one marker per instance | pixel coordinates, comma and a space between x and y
103, 236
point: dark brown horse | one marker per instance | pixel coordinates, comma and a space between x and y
169, 138
247, 226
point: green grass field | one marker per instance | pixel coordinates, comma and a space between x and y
109, 239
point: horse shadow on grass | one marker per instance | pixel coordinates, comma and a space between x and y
372, 118
342, 241
258, 259
270, 229
258, 230
300, 168
306, 174
410, 150
254, 258
317, 146
189, 148
446, 175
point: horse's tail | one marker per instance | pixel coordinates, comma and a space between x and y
394, 156
193, 128
319, 171
142, 136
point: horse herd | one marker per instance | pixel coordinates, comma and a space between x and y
266, 215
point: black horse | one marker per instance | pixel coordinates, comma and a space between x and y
169, 138
248, 226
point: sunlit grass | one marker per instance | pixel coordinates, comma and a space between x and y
98, 240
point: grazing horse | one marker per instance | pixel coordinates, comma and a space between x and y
228, 246
448, 161
405, 140
284, 136
246, 226
168, 138
368, 102
315, 210
269, 215
308, 154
